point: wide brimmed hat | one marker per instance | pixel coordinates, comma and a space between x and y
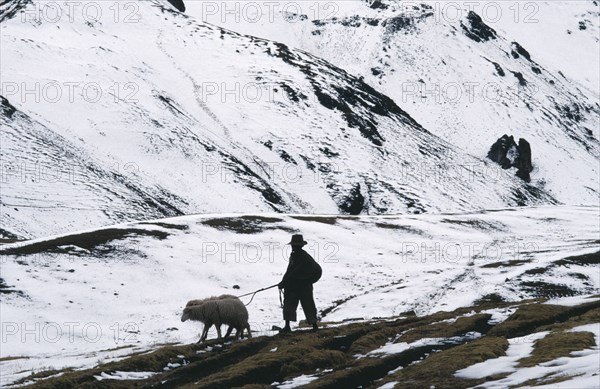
297, 240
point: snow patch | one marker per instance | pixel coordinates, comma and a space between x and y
125, 375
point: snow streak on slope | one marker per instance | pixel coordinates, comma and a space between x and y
81, 188
127, 285
147, 99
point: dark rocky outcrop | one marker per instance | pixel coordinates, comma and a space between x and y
178, 4
9, 9
501, 150
354, 202
6, 108
499, 69
507, 154
523, 161
477, 29
518, 50
378, 4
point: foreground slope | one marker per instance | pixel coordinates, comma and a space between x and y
97, 295
489, 345
151, 113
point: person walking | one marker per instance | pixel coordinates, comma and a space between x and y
297, 284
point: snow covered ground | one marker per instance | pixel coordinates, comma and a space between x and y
81, 299
582, 365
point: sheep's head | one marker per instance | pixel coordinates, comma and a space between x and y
186, 314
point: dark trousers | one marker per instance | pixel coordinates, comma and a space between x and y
303, 295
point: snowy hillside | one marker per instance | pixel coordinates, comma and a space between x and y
464, 80
144, 112
99, 294
441, 162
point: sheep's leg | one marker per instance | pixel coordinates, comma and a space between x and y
218, 331
228, 331
248, 329
205, 331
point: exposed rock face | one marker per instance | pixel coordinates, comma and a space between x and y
518, 51
477, 29
499, 151
354, 202
6, 108
178, 4
523, 162
507, 153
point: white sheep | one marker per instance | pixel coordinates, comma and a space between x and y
200, 301
234, 313
225, 309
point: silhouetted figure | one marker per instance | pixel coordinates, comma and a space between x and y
302, 272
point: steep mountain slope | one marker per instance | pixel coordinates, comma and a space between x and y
461, 74
145, 98
84, 298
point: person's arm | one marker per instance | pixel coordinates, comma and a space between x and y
286, 276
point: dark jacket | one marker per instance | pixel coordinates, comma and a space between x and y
302, 270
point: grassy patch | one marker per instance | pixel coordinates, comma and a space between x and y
527, 318
590, 317
512, 263
461, 326
530, 318
331, 220
586, 259
40, 375
86, 240
373, 339
556, 345
546, 289
477, 223
152, 361
438, 369
181, 227
295, 354
407, 229
549, 379
243, 224
12, 358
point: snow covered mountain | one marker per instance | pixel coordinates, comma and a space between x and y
89, 297
140, 111
458, 69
